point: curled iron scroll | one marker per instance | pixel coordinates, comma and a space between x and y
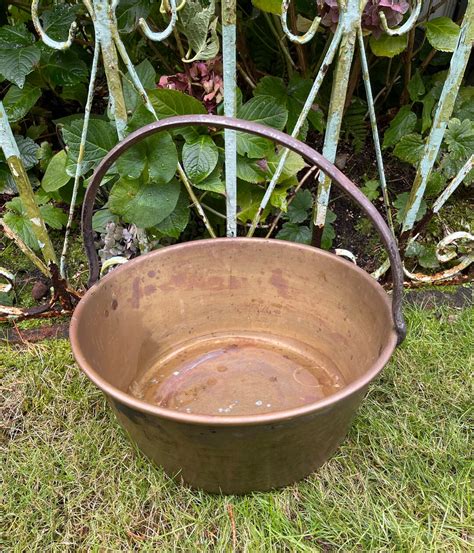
308, 153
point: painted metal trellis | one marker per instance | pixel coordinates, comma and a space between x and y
346, 40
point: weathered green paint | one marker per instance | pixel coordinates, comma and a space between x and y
25, 190
303, 39
55, 44
444, 110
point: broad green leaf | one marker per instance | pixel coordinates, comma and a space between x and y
19, 101
300, 206
427, 257
328, 232
101, 218
53, 216
388, 46
57, 21
298, 91
15, 36
295, 233
212, 183
21, 226
279, 196
269, 6
155, 157
401, 204
414, 249
28, 151
17, 63
428, 104
200, 158
459, 137
101, 138
169, 102
129, 12
260, 170
464, 106
442, 33
416, 87
66, 69
403, 123
266, 111
177, 221
198, 23
249, 197
272, 86
147, 76
409, 148
143, 204
435, 184
75, 92
55, 176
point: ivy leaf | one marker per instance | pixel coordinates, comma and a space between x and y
53, 216
416, 87
401, 204
442, 33
459, 137
200, 158
28, 151
55, 176
19, 101
295, 233
265, 110
268, 6
410, 148
155, 158
198, 23
388, 46
300, 206
17, 63
178, 220
101, 138
403, 123
147, 76
144, 204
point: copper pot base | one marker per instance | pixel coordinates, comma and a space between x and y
238, 374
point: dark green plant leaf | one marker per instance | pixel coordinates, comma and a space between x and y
200, 158
403, 123
298, 210
101, 138
401, 204
249, 197
177, 221
416, 87
147, 76
57, 21
56, 176
435, 185
17, 63
442, 33
295, 233
21, 226
75, 93
410, 148
212, 183
169, 102
155, 157
265, 110
414, 249
66, 69
371, 189
15, 37
143, 204
28, 151
101, 218
53, 216
19, 101
129, 12
388, 46
459, 137
427, 258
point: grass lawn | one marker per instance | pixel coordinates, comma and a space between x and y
71, 481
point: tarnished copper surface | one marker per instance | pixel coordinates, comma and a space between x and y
236, 364
263, 308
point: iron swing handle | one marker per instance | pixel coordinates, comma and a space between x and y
308, 153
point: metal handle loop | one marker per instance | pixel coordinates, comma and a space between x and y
308, 153
57, 45
159, 36
306, 37
407, 26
